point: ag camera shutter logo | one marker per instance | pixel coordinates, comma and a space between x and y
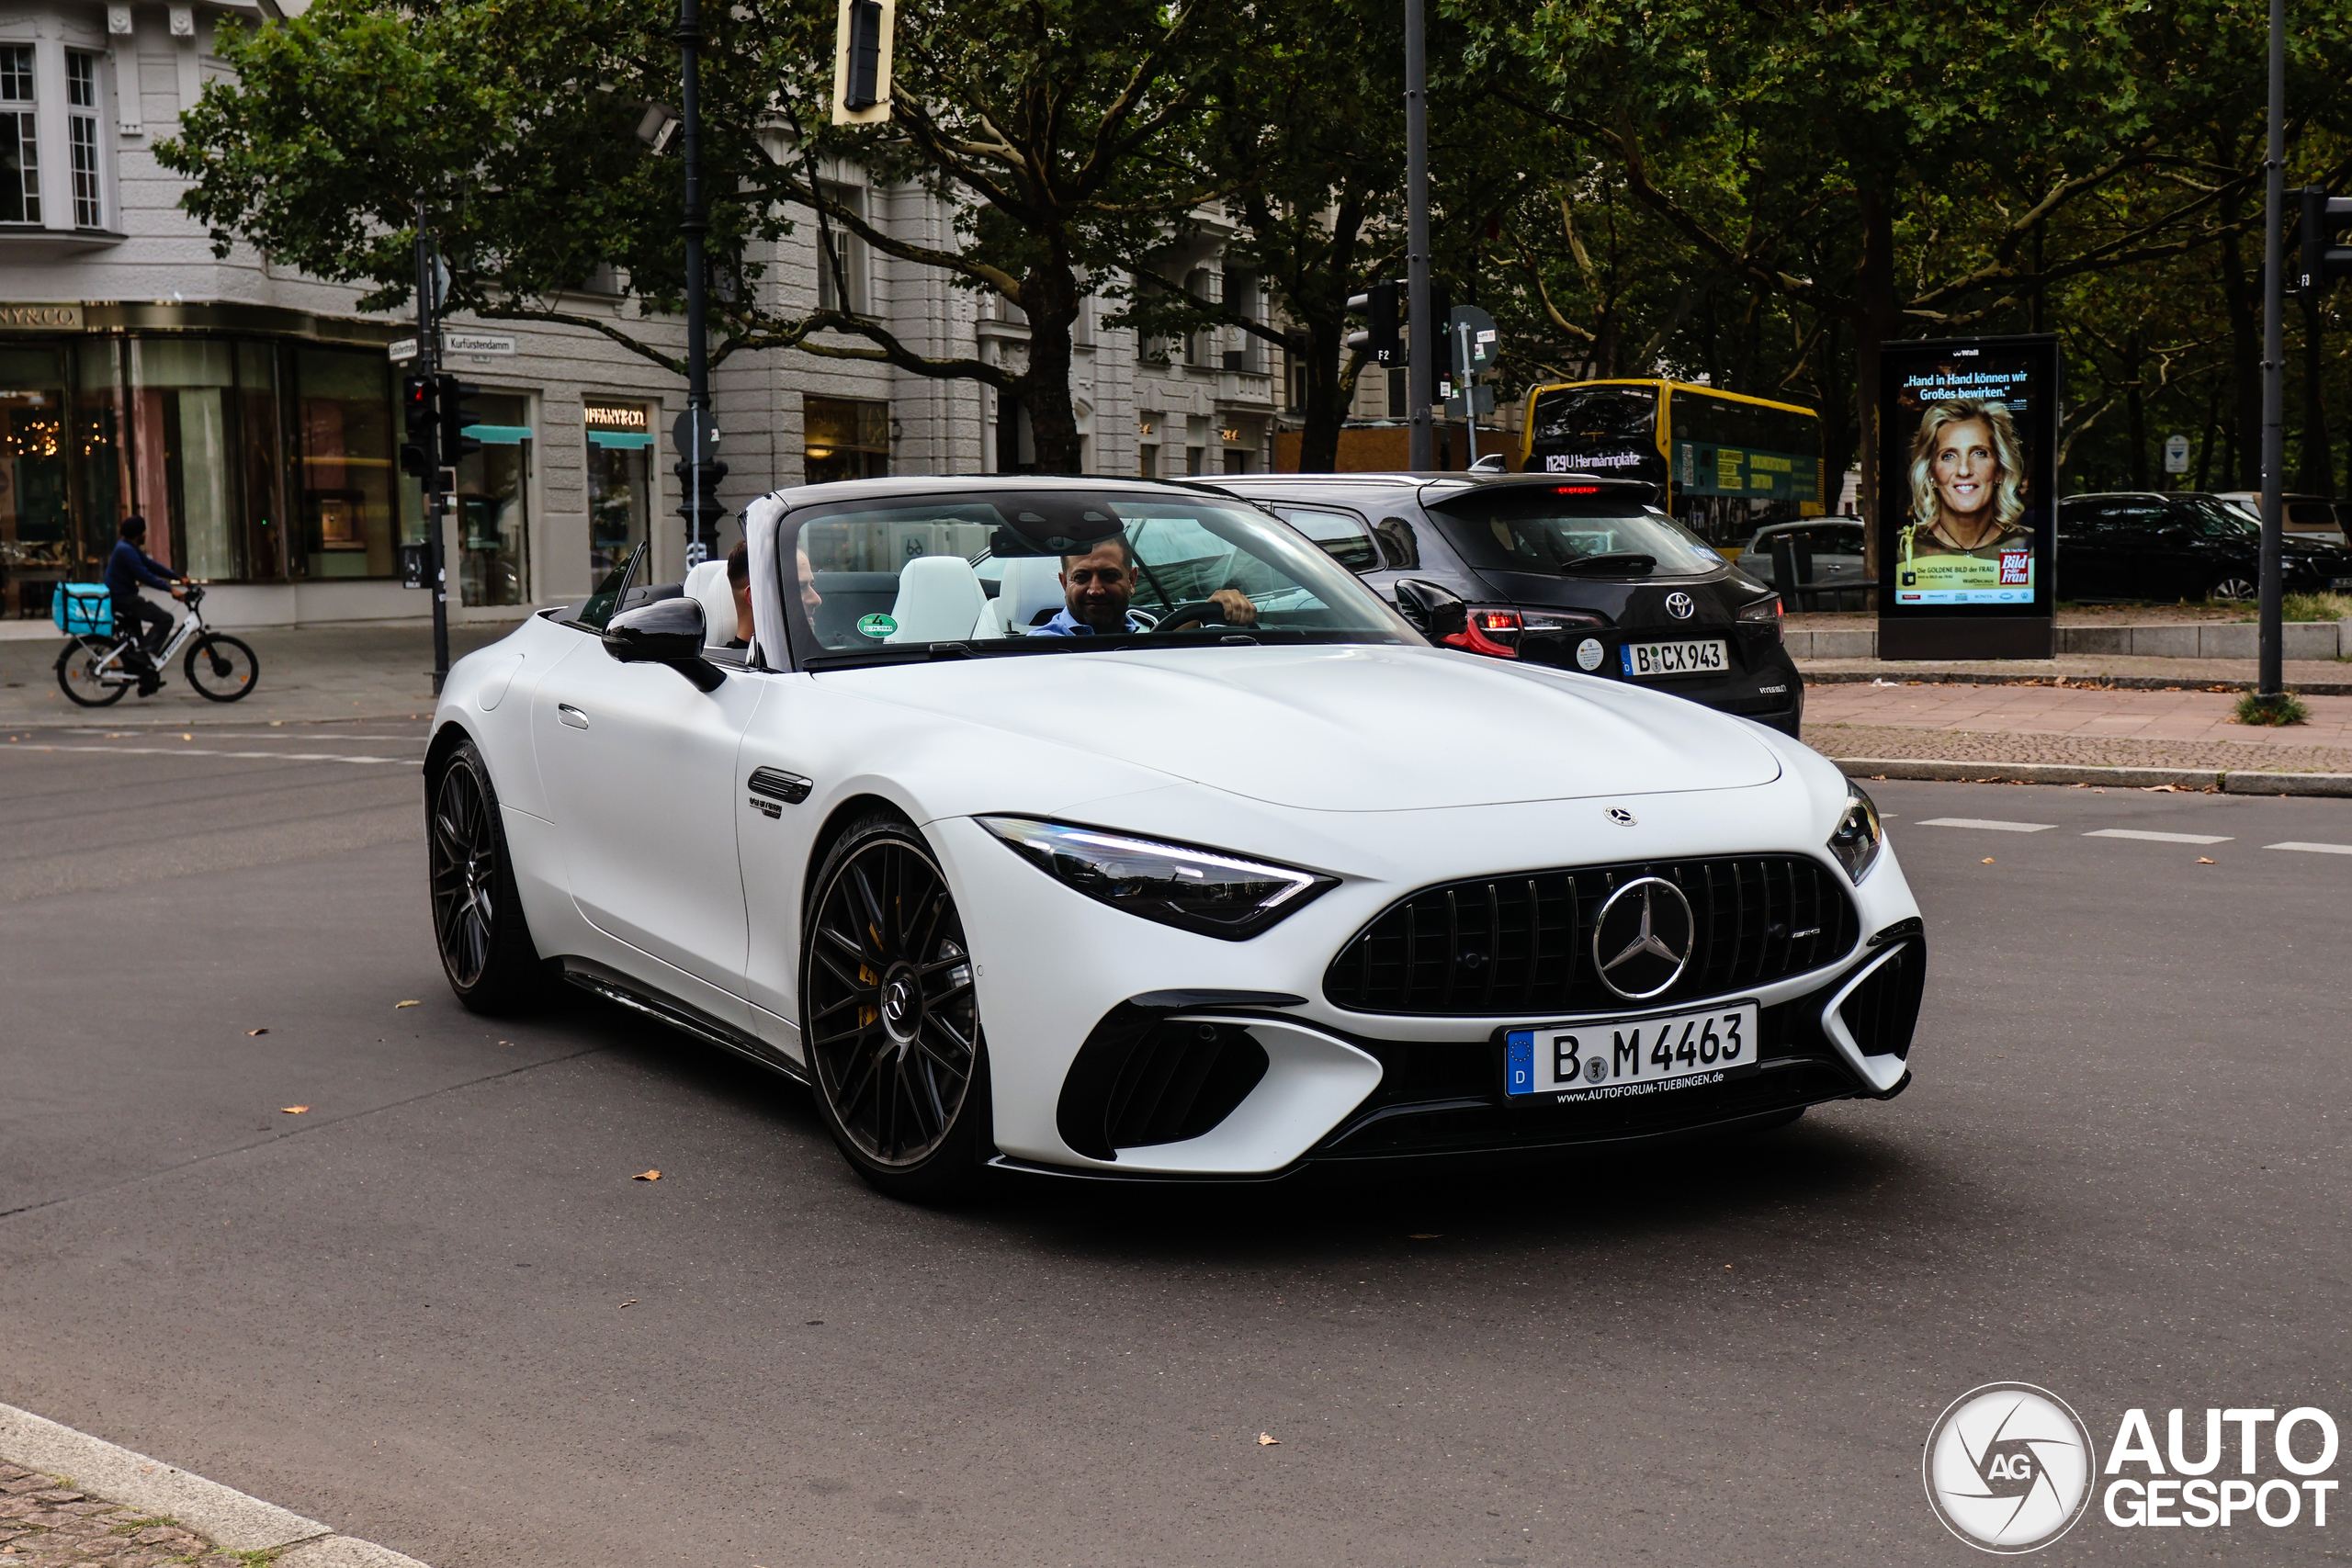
2008, 1468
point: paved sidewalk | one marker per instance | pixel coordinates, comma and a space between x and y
2066, 725
2328, 676
307, 674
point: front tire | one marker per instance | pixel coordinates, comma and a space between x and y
477, 923
891, 1023
77, 674
221, 668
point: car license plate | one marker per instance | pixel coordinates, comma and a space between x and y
1599, 1059
1641, 659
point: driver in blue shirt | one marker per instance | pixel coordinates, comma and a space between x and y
1097, 586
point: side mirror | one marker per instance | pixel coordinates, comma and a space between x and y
668, 631
1436, 611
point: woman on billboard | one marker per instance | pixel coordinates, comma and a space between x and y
1967, 531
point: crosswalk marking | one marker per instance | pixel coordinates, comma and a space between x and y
2158, 837
2314, 848
1987, 825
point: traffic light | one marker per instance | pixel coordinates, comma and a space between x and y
456, 415
2319, 261
419, 401
1378, 342
862, 61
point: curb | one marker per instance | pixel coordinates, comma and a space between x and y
2218, 780
221, 1513
2090, 683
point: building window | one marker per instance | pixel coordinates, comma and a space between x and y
204, 424
1196, 459
846, 439
495, 505
344, 427
82, 137
841, 257
20, 149
1241, 296
1199, 348
1146, 462
620, 486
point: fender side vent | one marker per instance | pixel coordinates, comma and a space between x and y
1885, 1009
1140, 1080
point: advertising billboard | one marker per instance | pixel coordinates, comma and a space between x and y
1967, 481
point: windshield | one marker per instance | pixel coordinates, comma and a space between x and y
1061, 570
1532, 528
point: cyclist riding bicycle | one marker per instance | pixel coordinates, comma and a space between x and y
127, 567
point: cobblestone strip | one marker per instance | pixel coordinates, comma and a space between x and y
48, 1525
2076, 750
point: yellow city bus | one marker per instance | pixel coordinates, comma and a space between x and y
1727, 464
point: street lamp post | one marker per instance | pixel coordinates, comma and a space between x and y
700, 509
2270, 676
1421, 344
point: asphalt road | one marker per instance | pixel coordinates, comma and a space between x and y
433, 1310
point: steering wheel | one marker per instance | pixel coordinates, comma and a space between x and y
1205, 612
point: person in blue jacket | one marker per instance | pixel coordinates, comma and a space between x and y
127, 567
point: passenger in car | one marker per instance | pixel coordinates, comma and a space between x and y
738, 582
1097, 586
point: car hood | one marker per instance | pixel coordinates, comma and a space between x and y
1352, 728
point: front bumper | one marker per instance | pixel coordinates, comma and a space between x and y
1104, 1032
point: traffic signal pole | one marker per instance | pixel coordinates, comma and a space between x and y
2271, 676
1422, 351
697, 456
429, 344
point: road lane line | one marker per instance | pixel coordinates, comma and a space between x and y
253, 756
2158, 837
1986, 824
2314, 848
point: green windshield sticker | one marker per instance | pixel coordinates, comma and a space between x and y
876, 626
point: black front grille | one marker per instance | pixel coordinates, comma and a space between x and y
1521, 943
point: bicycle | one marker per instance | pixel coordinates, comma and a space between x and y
93, 673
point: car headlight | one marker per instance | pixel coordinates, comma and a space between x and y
1177, 884
1857, 840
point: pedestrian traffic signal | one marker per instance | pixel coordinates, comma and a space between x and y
2320, 261
1378, 342
419, 397
1438, 377
456, 415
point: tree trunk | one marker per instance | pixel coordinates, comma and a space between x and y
1836, 453
1875, 316
2136, 410
2316, 475
2212, 433
1049, 298
1318, 303
1008, 432
1325, 409
2242, 294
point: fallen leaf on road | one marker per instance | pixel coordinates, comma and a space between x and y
630, 1302
647, 1176
188, 737
1424, 1235
251, 1032
506, 1042
293, 1109
397, 1006
1988, 860
2203, 861
1265, 1441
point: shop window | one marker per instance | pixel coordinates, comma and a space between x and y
82, 137
343, 426
620, 490
494, 505
846, 439
36, 516
20, 147
205, 434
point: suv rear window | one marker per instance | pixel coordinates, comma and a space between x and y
1532, 528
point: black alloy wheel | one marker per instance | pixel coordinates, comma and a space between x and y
478, 921
891, 1022
219, 668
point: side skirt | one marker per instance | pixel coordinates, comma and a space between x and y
625, 992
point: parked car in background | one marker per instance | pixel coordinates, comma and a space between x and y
2185, 545
1828, 555
1566, 570
2313, 516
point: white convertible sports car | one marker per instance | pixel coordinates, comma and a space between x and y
1253, 877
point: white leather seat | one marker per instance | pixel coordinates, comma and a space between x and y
940, 599
708, 583
1031, 583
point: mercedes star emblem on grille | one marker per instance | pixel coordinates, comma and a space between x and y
1619, 815
1644, 938
1679, 604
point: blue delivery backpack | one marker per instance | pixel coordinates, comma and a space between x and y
82, 607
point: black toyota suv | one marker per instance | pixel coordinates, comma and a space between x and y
1566, 570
